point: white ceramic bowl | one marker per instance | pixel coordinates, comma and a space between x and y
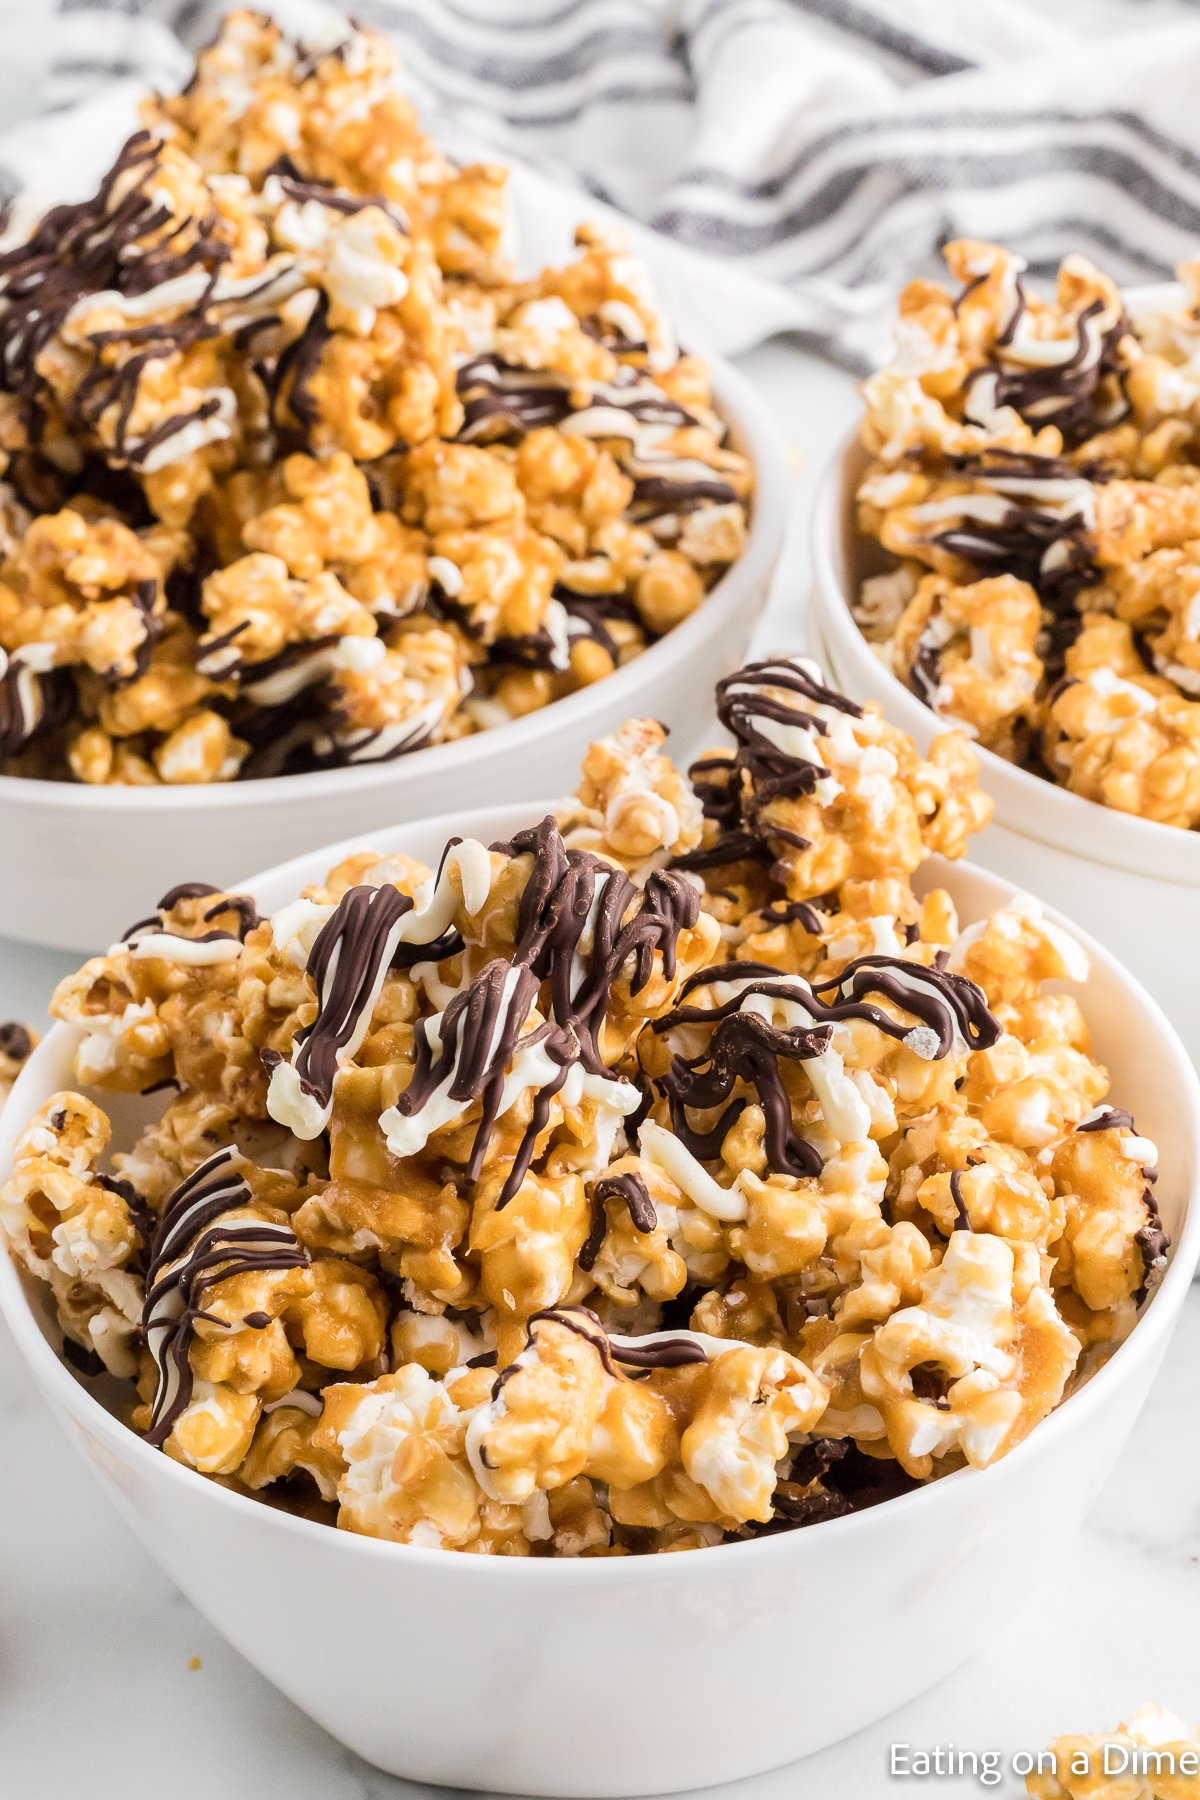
645, 1674
79, 864
1135, 884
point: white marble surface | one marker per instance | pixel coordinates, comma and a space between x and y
97, 1693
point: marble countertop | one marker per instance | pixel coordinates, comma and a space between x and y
111, 1684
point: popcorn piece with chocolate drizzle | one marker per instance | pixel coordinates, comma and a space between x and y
581, 1401
998, 366
347, 960
218, 1262
17, 1044
819, 791
78, 1229
763, 1021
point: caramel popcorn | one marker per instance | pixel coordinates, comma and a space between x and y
1154, 1757
17, 1044
664, 1175
1035, 485
299, 471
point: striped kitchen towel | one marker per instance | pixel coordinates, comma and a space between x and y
802, 158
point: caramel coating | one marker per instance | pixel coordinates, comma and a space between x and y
609, 1190
299, 471
1156, 1756
1033, 487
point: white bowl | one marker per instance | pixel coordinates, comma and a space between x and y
645, 1674
78, 864
1132, 882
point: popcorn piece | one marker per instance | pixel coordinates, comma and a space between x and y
1155, 1757
971, 652
17, 1044
633, 805
407, 1477
1000, 1364
75, 1229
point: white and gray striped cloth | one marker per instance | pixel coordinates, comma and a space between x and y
801, 157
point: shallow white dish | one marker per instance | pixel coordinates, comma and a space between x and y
639, 1675
1135, 884
79, 864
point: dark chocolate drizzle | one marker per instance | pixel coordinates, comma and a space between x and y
145, 597
340, 748
156, 925
745, 1048
307, 663
483, 1026
654, 495
1112, 1119
925, 670
186, 890
670, 1353
503, 402
1151, 1240
479, 1033
289, 385
948, 1004
33, 703
142, 1215
486, 1020
591, 615
302, 188
628, 1187
243, 906
962, 1218
1074, 394
629, 926
555, 907
351, 948
192, 1253
601, 332
125, 241
1054, 554
1153, 1243
15, 1041
796, 912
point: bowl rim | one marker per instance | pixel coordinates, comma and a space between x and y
67, 1394
753, 430
1131, 840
